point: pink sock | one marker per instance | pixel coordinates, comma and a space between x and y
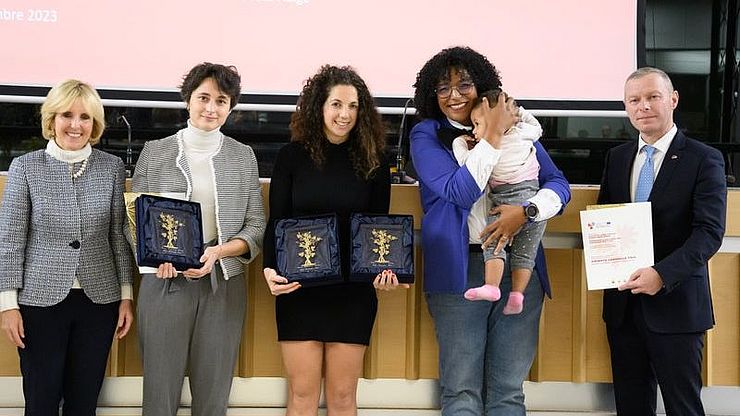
515, 304
490, 293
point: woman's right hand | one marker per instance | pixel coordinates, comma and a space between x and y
498, 119
510, 220
166, 271
470, 141
278, 284
12, 325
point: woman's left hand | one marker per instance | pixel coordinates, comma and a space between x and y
125, 317
387, 280
499, 119
210, 256
510, 221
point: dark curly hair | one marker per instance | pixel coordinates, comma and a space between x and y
367, 138
227, 78
484, 75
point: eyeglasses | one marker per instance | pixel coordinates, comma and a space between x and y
464, 88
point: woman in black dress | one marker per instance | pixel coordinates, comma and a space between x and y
332, 165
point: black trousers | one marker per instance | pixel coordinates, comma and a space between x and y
66, 352
641, 358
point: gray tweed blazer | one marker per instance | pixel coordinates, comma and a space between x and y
54, 228
163, 167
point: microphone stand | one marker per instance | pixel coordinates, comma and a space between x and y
129, 150
399, 176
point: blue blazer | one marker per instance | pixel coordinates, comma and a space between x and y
689, 199
448, 192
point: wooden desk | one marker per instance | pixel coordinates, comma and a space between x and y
572, 343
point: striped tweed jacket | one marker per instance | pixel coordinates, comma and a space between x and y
54, 228
163, 167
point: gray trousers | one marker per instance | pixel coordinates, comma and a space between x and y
524, 246
183, 325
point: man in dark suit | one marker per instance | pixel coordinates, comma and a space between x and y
656, 321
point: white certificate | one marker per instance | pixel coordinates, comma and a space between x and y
617, 240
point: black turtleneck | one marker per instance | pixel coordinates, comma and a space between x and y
299, 188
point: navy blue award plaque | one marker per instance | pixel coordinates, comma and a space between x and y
382, 242
168, 231
307, 250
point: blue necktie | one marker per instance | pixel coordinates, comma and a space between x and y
645, 180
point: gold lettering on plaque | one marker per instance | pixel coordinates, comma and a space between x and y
170, 224
382, 240
307, 242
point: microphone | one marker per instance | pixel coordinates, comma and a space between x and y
399, 176
129, 151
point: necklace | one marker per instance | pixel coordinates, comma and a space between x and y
80, 171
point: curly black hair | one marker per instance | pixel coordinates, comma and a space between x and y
367, 138
437, 69
227, 78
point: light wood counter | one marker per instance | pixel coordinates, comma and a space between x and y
572, 344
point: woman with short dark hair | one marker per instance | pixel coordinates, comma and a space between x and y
193, 321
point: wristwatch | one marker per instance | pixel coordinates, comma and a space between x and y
531, 211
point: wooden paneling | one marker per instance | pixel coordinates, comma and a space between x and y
9, 362
569, 221
428, 350
722, 357
572, 344
555, 352
260, 349
732, 227
598, 363
387, 355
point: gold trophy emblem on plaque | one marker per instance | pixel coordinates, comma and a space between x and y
170, 225
382, 240
307, 242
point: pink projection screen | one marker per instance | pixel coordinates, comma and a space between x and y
565, 50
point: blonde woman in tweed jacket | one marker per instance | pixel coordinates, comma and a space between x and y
193, 321
65, 261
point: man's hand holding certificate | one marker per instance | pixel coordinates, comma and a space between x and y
617, 241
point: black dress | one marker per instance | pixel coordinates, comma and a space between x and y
343, 312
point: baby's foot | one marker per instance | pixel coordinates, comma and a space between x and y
490, 293
514, 304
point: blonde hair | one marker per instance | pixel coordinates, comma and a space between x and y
60, 99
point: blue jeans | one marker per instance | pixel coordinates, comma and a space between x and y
484, 356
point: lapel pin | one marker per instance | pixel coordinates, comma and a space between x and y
674, 157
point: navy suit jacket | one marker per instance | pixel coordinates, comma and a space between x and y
689, 199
